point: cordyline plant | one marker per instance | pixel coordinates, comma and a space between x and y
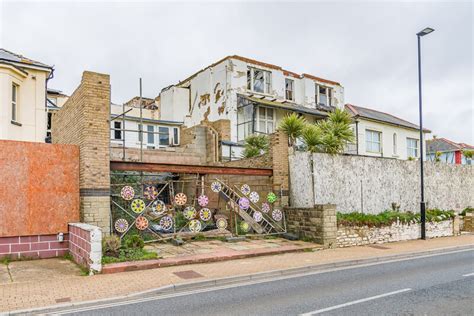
255, 145
293, 126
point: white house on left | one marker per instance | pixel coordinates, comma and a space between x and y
23, 83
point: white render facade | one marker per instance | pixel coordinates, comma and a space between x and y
217, 91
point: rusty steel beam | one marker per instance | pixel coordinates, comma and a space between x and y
160, 167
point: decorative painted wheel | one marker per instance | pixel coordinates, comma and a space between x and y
166, 222
203, 200
195, 226
127, 193
271, 197
221, 223
244, 203
254, 197
257, 216
244, 227
265, 207
189, 212
121, 225
245, 189
158, 207
277, 215
216, 186
150, 192
138, 205
180, 199
141, 223
205, 214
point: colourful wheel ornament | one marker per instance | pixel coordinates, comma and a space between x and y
189, 212
244, 203
180, 199
203, 200
271, 197
121, 225
257, 216
195, 226
216, 186
254, 197
127, 193
244, 227
245, 189
205, 214
277, 215
221, 224
265, 207
150, 192
158, 207
141, 223
138, 206
166, 223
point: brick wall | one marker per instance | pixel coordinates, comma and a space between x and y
85, 245
317, 223
33, 247
279, 154
84, 121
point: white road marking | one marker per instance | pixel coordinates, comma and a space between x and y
469, 274
319, 311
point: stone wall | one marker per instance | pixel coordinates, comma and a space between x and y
371, 185
317, 223
84, 121
85, 245
358, 236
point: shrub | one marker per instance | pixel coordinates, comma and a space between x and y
467, 210
292, 125
134, 242
255, 145
111, 245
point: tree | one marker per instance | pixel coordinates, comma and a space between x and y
312, 138
293, 126
255, 145
336, 132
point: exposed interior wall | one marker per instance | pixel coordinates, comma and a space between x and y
371, 185
84, 120
39, 188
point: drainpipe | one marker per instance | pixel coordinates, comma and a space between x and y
50, 76
357, 137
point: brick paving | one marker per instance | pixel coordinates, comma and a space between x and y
41, 291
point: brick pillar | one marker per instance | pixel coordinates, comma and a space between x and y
279, 154
84, 120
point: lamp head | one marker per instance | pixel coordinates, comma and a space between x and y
425, 31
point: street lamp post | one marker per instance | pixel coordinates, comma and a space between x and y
424, 32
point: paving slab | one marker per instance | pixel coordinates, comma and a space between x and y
4, 274
41, 270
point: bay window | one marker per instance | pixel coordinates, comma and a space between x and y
266, 120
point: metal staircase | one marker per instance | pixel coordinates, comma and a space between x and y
266, 226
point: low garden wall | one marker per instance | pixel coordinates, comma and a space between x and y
85, 245
33, 247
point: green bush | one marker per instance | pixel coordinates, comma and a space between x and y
111, 246
467, 210
130, 255
134, 242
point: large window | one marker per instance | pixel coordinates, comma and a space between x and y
412, 147
259, 80
289, 89
373, 141
14, 102
164, 133
323, 95
266, 120
117, 130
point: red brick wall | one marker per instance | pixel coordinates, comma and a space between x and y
85, 245
33, 247
39, 188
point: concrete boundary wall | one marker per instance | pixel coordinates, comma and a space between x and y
371, 185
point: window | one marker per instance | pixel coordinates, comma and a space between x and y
412, 147
14, 102
245, 118
289, 89
323, 95
259, 80
117, 130
164, 133
150, 135
265, 120
140, 132
175, 136
372, 141
394, 144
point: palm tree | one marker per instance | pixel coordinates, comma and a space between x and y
336, 131
255, 145
312, 137
292, 125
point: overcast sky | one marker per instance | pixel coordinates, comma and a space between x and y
370, 47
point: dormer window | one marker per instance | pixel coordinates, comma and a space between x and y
259, 80
289, 89
323, 95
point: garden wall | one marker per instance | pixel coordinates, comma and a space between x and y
85, 245
371, 185
358, 236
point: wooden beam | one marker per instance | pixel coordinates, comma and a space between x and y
159, 167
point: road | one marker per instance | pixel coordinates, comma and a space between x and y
435, 285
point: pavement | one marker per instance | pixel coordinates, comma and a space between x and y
70, 289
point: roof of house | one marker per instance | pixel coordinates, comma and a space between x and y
445, 145
370, 114
259, 63
6, 55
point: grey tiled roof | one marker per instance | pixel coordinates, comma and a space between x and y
16, 58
